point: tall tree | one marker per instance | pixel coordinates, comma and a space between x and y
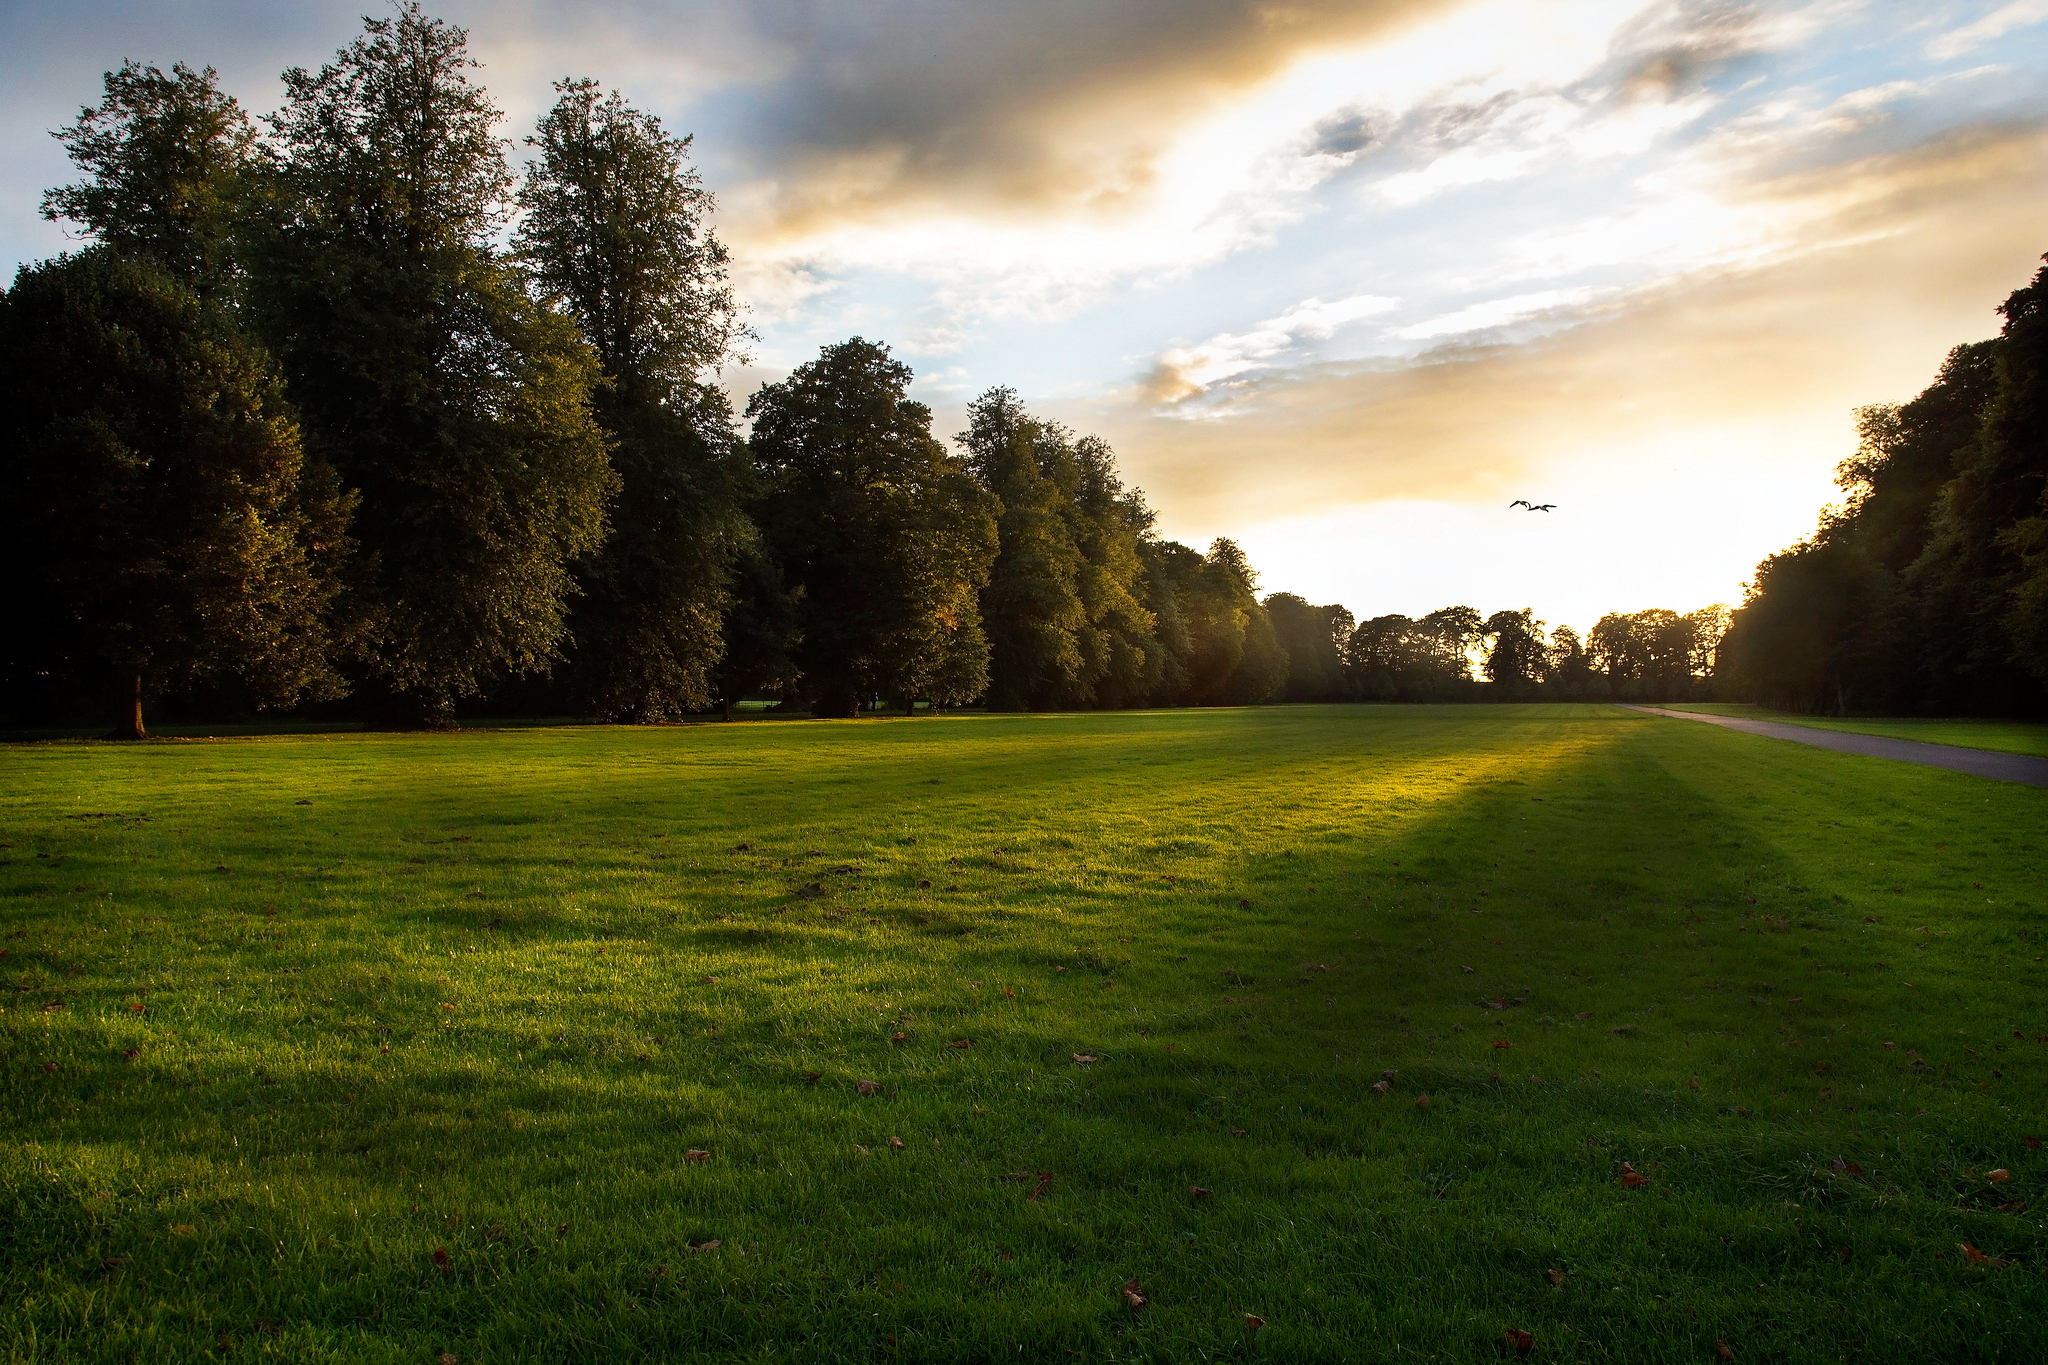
1313, 638
456, 404
1234, 658
157, 522
1517, 655
166, 160
1125, 657
884, 537
1031, 607
615, 226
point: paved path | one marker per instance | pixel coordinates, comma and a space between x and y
1981, 762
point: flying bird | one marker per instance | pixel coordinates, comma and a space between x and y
1534, 506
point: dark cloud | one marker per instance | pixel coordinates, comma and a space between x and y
1050, 103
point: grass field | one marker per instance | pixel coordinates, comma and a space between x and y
592, 1044
2010, 736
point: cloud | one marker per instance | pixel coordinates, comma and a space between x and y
1998, 23
1497, 313
1754, 366
1183, 371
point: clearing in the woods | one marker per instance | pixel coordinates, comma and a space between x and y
1403, 1030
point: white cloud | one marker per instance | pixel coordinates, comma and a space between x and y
1191, 368
1492, 313
1998, 23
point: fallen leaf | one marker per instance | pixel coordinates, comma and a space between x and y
1422, 1103
1038, 1190
697, 1154
1502, 1042
446, 1006
711, 981
899, 1037
1999, 1176
1198, 1192
2013, 1206
1387, 1075
183, 1229
1084, 1058
1721, 1349
961, 1043
136, 1007
896, 1143
1631, 1178
1008, 991
1380, 1087
129, 1054
867, 1087
448, 1358
1469, 971
811, 1078
1694, 1083
1523, 1342
441, 1257
1133, 1295
1976, 1257
1237, 1132
2032, 1144
712, 1245
1847, 1167
1843, 1254
1253, 1322
562, 1231
862, 1150
1583, 1014
1556, 1277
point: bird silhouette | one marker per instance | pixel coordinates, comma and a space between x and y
1533, 506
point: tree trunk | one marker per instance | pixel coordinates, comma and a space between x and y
131, 727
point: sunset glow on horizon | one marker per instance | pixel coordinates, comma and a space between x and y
1339, 280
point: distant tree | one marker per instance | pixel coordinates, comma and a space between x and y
614, 226
1031, 606
1517, 653
1567, 670
1234, 659
454, 403
884, 537
157, 520
167, 160
1173, 575
1124, 655
1313, 639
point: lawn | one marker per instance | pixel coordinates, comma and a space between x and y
1411, 1028
2010, 736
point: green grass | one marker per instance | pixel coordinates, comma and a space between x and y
428, 1026
2010, 736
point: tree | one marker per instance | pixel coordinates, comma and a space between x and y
1313, 639
160, 520
1517, 658
1031, 607
457, 406
884, 537
167, 161
1567, 671
1124, 655
1234, 659
615, 227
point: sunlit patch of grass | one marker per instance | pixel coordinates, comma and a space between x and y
429, 1026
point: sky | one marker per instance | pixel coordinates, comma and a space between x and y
1337, 278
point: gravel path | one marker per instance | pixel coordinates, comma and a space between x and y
1980, 762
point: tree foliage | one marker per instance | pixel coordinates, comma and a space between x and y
160, 522
885, 537
1927, 589
455, 404
615, 228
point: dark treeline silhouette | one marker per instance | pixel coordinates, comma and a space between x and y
1926, 591
333, 410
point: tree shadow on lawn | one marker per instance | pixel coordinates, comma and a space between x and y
1237, 1049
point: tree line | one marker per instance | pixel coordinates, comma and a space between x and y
1926, 589
334, 405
